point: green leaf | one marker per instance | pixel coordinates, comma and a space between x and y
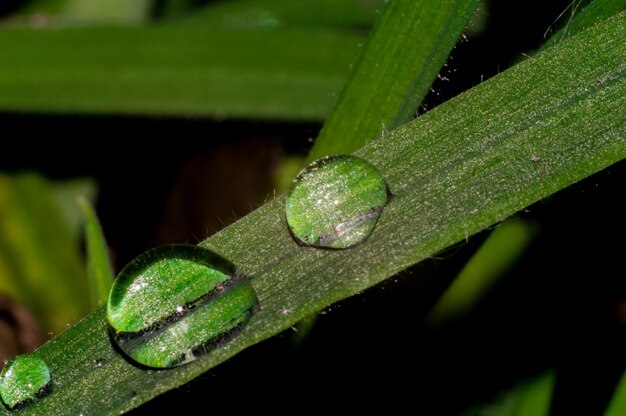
165, 70
66, 194
404, 53
40, 262
108, 11
529, 398
593, 13
617, 406
99, 270
496, 256
270, 14
532, 130
122, 12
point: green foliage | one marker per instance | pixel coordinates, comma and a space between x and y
511, 141
40, 261
617, 406
593, 13
120, 12
404, 53
99, 270
270, 14
290, 74
496, 256
530, 398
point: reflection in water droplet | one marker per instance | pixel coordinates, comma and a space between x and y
335, 202
23, 379
175, 303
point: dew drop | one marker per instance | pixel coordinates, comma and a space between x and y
173, 304
335, 202
24, 379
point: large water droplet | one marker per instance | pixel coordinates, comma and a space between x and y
335, 202
23, 379
175, 303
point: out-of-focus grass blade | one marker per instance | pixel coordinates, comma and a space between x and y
119, 12
497, 255
593, 13
108, 11
404, 53
617, 405
269, 14
165, 70
530, 398
66, 193
288, 169
42, 265
99, 270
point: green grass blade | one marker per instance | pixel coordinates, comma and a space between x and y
593, 13
562, 106
529, 398
405, 51
121, 12
99, 270
165, 70
496, 256
109, 11
40, 262
66, 193
269, 14
617, 405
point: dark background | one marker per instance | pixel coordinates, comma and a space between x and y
166, 180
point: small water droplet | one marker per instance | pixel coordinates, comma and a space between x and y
23, 379
173, 304
335, 202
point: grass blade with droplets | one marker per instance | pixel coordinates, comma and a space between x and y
562, 106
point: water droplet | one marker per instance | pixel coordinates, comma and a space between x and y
173, 304
335, 202
23, 379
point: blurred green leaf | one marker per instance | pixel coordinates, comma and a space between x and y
40, 259
550, 106
288, 169
617, 405
93, 11
99, 270
404, 53
270, 14
66, 194
497, 255
530, 398
165, 70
